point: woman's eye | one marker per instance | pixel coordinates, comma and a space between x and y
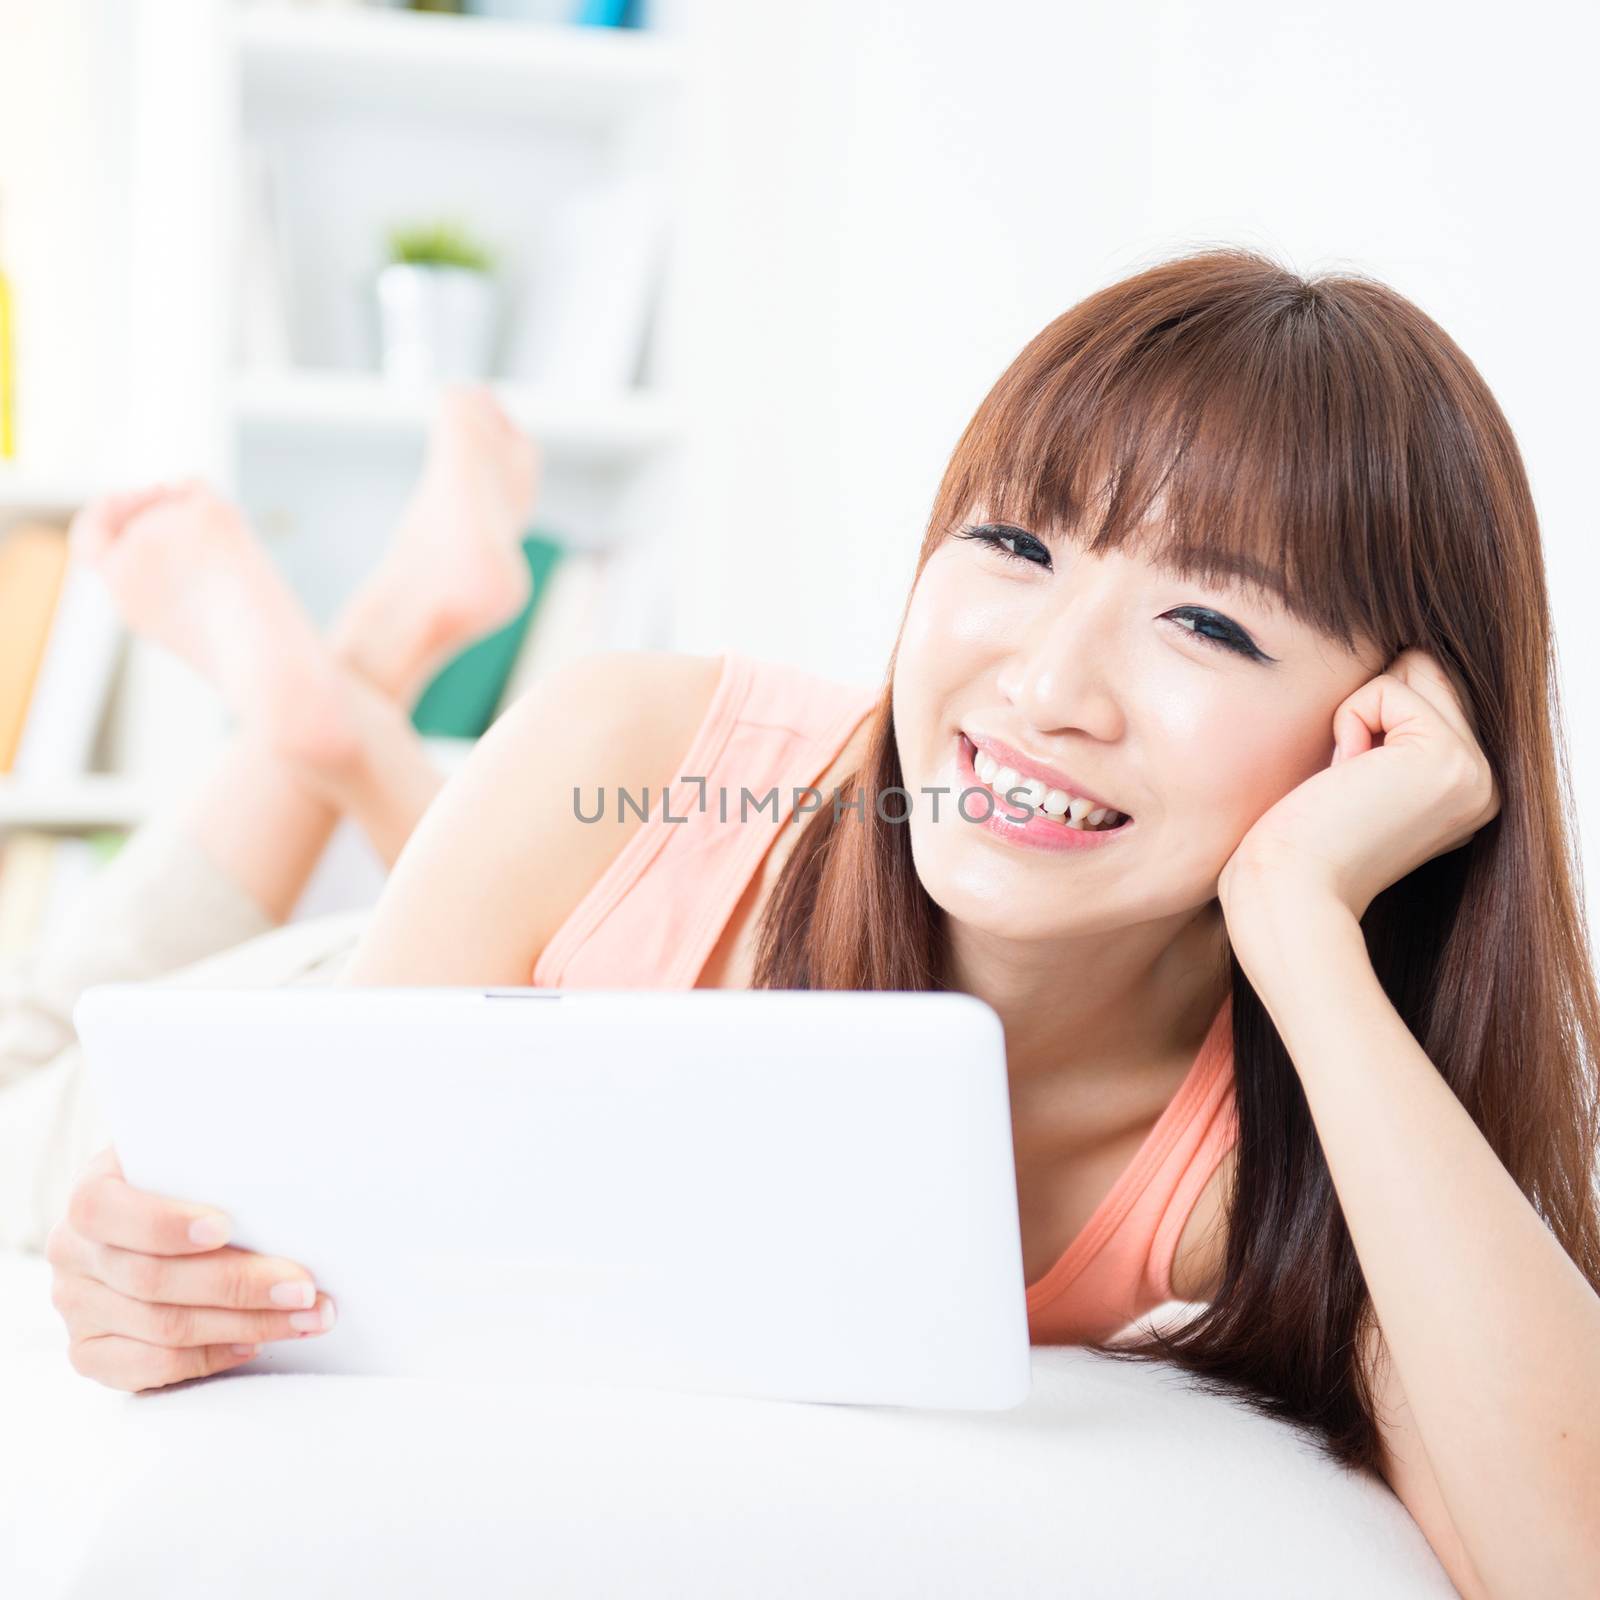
1217, 631
1013, 542
1211, 627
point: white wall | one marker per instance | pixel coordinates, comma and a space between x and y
922, 184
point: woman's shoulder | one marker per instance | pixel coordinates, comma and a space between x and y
652, 701
504, 853
649, 704
612, 720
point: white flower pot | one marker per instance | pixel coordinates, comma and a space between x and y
435, 322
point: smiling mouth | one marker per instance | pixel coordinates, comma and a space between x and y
1054, 806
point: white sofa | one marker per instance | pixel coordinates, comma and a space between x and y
1114, 1479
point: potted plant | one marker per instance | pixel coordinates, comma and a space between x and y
436, 305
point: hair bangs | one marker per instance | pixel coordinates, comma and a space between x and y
1214, 445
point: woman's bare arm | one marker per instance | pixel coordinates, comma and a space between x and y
501, 857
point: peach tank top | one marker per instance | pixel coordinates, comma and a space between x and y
654, 916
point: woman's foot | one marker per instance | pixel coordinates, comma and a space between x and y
186, 572
454, 570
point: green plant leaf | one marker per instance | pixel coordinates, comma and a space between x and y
439, 244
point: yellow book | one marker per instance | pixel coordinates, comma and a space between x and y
8, 393
33, 562
26, 866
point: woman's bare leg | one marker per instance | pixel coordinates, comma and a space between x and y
322, 727
454, 559
265, 820
322, 731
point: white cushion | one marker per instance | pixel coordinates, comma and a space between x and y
1114, 1479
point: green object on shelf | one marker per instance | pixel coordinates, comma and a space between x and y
460, 701
106, 842
439, 244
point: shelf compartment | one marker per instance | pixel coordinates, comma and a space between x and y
32, 494
589, 431
93, 800
120, 800
474, 66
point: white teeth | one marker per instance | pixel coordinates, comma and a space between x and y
1071, 811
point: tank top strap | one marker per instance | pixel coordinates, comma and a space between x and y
1211, 1131
653, 917
1120, 1264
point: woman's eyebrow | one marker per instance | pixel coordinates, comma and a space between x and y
1229, 566
1233, 568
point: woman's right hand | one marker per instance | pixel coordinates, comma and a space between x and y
149, 1302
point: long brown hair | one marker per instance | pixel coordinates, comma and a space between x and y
1223, 406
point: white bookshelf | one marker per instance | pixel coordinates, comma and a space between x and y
49, 496
454, 66
614, 431
366, 118
112, 800
95, 800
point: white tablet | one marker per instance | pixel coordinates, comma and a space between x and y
802, 1195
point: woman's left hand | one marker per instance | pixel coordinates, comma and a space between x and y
1407, 782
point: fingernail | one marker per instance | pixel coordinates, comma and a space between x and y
294, 1292
210, 1230
244, 1349
315, 1321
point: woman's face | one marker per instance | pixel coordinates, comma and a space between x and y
1108, 680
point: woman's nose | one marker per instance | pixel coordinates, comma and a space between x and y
1061, 676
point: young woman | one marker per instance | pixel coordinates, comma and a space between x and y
1218, 753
